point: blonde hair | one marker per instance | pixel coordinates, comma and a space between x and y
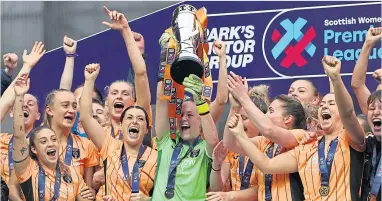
311, 111
106, 89
261, 91
49, 102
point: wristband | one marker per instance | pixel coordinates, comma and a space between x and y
217, 169
203, 109
72, 55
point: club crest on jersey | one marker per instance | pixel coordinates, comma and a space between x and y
141, 163
195, 153
67, 178
76, 153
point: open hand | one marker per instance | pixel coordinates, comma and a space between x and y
22, 84
35, 55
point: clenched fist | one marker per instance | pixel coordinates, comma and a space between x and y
70, 45
377, 75
373, 36
10, 60
235, 125
332, 66
219, 48
140, 42
92, 71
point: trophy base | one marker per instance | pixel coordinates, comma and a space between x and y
184, 66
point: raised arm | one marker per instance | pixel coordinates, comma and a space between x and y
358, 81
10, 63
162, 125
29, 61
142, 88
21, 150
70, 47
344, 101
217, 106
377, 75
92, 128
218, 177
281, 164
265, 125
194, 85
229, 140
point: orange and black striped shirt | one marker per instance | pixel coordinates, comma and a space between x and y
69, 189
5, 138
285, 187
234, 159
346, 171
116, 185
84, 154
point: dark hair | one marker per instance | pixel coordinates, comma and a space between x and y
315, 90
37, 102
137, 107
95, 100
365, 125
49, 102
293, 107
4, 190
376, 95
98, 93
32, 137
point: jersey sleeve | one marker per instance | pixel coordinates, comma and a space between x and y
108, 147
357, 147
161, 143
298, 134
93, 155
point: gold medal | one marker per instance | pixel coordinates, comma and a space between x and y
371, 197
324, 191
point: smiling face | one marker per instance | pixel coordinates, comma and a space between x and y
328, 115
45, 146
134, 126
374, 117
304, 91
63, 109
99, 113
190, 123
30, 110
276, 113
120, 96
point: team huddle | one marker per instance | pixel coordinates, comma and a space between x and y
294, 147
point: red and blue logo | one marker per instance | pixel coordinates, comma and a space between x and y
293, 43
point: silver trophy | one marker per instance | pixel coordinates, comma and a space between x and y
185, 28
